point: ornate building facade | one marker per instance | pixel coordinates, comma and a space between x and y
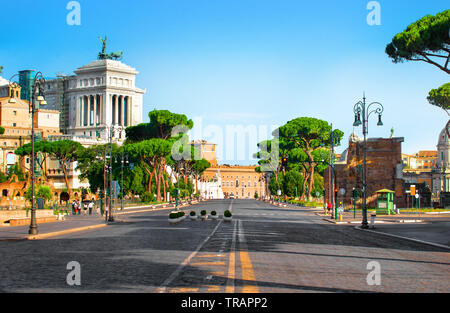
441, 174
228, 181
100, 94
384, 170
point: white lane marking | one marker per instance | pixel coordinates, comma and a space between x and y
172, 277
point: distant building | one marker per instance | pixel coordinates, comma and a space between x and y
208, 150
100, 94
15, 118
225, 181
441, 173
384, 170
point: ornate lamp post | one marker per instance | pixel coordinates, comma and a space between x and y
111, 130
124, 160
36, 99
360, 109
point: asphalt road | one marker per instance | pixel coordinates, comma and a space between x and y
264, 249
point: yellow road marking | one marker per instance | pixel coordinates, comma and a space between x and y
213, 288
248, 274
182, 289
246, 265
232, 263
208, 263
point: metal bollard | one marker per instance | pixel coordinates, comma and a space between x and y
372, 220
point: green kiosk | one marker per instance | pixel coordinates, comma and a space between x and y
385, 202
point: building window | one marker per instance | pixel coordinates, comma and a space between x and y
14, 112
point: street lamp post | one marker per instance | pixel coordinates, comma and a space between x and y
360, 109
36, 98
110, 134
123, 160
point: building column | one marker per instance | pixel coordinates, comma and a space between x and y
91, 109
130, 105
120, 110
95, 109
125, 111
80, 111
113, 109
84, 110
116, 111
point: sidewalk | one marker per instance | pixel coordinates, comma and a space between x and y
74, 223
71, 223
348, 218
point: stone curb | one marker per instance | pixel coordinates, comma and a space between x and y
406, 238
63, 232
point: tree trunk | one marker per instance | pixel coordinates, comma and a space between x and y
305, 180
63, 166
158, 183
163, 169
152, 173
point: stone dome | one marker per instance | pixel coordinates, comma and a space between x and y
443, 136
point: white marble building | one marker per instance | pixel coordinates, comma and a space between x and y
100, 94
211, 189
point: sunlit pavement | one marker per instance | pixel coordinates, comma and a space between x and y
263, 249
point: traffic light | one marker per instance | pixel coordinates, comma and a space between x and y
284, 162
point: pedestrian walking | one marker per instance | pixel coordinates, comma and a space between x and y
79, 207
74, 207
85, 207
91, 206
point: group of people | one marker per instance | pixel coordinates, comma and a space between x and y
87, 205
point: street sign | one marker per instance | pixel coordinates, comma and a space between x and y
342, 191
412, 189
417, 196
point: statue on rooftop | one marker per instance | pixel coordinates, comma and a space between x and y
105, 56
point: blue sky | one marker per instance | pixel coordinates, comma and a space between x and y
242, 62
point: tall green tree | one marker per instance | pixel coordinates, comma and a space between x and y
150, 153
168, 128
41, 149
198, 168
91, 164
441, 97
309, 134
65, 152
426, 40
